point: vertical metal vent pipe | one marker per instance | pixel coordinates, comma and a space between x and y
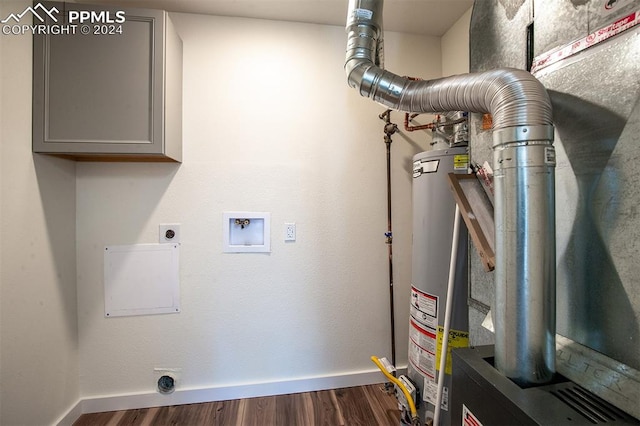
524, 163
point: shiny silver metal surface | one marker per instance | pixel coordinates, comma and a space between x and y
613, 381
524, 308
514, 97
521, 134
596, 98
516, 100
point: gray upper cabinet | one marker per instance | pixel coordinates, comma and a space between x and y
112, 94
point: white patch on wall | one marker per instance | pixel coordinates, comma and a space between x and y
141, 279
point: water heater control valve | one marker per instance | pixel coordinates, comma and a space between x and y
411, 388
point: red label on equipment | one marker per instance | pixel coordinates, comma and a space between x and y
571, 49
424, 308
422, 349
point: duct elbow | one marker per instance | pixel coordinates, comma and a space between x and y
373, 82
514, 97
517, 98
364, 57
355, 69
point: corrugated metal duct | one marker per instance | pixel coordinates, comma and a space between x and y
524, 162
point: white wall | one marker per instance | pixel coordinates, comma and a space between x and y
455, 47
269, 125
1, 203
38, 314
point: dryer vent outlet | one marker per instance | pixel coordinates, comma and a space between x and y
166, 384
166, 379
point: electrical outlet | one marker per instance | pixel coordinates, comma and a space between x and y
289, 231
169, 233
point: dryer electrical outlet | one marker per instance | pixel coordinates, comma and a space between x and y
169, 233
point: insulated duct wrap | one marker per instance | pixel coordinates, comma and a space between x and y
524, 162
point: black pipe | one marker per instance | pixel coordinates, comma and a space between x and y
530, 47
390, 129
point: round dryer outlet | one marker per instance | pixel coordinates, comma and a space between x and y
166, 384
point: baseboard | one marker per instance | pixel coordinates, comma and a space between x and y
221, 393
72, 415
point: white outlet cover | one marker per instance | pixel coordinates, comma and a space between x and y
164, 228
289, 231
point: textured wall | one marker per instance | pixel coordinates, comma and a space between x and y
38, 324
269, 125
455, 47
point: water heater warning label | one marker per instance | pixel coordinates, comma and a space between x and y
422, 348
422, 332
424, 308
423, 166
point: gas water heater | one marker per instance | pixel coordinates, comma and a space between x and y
433, 221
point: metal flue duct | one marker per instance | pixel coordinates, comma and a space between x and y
524, 162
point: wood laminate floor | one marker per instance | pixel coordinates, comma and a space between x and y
363, 405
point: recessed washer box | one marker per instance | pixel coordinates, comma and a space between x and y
246, 232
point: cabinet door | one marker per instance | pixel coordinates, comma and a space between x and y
101, 93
